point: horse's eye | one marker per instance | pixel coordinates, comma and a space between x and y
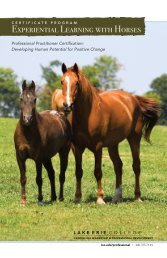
35, 100
21, 99
62, 82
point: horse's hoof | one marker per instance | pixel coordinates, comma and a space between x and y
77, 200
138, 199
100, 201
23, 202
40, 203
53, 198
116, 199
61, 199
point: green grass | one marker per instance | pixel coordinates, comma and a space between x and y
65, 221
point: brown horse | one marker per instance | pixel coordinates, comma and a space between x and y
104, 120
39, 136
57, 100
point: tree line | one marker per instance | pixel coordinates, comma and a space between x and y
102, 74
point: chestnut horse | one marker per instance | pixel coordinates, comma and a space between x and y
57, 100
104, 119
39, 136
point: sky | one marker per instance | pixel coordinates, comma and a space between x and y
143, 58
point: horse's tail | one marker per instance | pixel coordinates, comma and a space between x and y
150, 109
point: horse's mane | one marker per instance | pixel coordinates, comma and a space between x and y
88, 90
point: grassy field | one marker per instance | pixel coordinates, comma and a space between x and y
128, 220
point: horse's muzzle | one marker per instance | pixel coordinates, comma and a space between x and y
67, 108
27, 119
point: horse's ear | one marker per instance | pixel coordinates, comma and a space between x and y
32, 86
76, 68
64, 68
24, 85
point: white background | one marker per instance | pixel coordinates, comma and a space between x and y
152, 11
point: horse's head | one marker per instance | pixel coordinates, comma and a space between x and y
70, 83
28, 102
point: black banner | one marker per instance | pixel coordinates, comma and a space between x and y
71, 26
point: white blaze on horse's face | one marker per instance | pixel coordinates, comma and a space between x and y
67, 79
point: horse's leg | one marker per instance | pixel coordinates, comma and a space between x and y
22, 167
134, 142
117, 162
78, 172
98, 176
63, 154
39, 181
51, 175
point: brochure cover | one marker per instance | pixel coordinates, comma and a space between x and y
102, 85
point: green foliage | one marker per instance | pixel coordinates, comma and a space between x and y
52, 82
9, 93
60, 220
49, 74
107, 68
102, 73
163, 117
91, 72
153, 95
159, 92
159, 86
